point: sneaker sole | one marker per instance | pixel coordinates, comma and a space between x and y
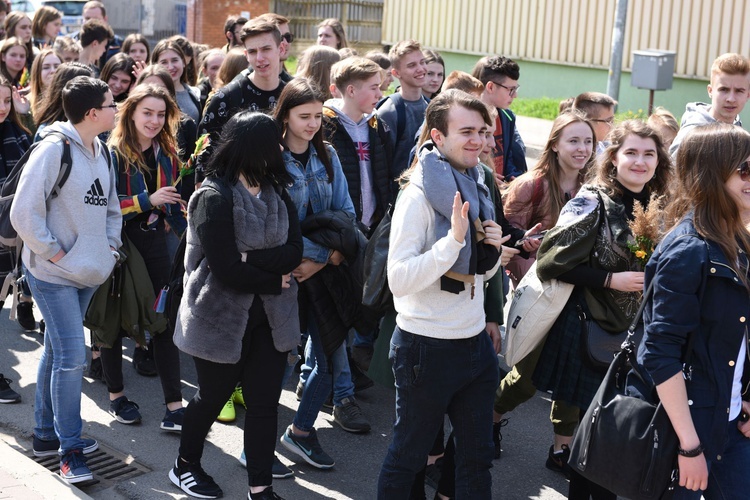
170, 427
283, 476
295, 449
77, 479
11, 401
126, 422
176, 481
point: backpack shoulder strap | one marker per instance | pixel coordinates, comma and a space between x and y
66, 164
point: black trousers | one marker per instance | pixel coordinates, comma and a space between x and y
260, 370
152, 245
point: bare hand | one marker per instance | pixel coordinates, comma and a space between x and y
307, 269
744, 427
507, 253
531, 245
459, 218
493, 329
493, 234
693, 472
20, 102
628, 281
138, 68
286, 280
336, 258
164, 196
59, 255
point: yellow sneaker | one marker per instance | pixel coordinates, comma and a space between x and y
227, 413
238, 398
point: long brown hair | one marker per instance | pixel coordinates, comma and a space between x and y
50, 105
13, 114
706, 159
549, 168
5, 46
232, 65
296, 93
42, 17
36, 85
11, 21
315, 64
605, 173
166, 45
124, 137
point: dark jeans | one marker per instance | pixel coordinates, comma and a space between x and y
260, 370
435, 377
152, 245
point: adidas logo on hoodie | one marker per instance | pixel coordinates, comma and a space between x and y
95, 196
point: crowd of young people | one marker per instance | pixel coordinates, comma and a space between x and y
276, 240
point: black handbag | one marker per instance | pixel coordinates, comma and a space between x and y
599, 345
376, 294
626, 443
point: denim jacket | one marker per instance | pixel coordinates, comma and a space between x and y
311, 186
683, 267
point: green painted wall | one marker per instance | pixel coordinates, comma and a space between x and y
558, 81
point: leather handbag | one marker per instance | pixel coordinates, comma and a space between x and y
626, 443
599, 345
534, 308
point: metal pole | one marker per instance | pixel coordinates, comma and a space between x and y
618, 40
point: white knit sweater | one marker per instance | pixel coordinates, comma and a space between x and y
416, 261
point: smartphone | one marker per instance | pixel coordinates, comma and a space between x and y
537, 236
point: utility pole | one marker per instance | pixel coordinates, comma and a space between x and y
618, 41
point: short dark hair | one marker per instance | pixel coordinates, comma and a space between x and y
588, 101
260, 26
249, 131
95, 30
233, 21
82, 94
490, 67
436, 114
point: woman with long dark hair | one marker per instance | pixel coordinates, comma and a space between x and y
168, 53
243, 242
699, 273
588, 247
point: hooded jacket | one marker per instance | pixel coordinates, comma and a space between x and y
696, 114
84, 220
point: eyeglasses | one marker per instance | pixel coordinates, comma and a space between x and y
112, 106
288, 37
512, 91
608, 121
744, 171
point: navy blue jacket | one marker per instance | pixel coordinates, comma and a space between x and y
683, 266
514, 150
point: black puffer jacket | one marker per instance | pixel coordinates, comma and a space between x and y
336, 134
334, 294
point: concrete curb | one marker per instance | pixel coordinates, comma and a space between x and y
23, 479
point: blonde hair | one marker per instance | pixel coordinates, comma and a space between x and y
661, 117
730, 64
402, 49
352, 69
463, 81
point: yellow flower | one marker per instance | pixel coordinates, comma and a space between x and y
640, 254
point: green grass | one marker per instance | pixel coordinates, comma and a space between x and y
541, 107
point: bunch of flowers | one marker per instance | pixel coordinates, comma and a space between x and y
646, 229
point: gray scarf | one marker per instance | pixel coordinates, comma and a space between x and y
439, 182
212, 318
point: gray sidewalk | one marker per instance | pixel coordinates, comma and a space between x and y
534, 132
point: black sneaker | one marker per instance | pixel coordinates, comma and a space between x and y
125, 411
73, 468
266, 494
278, 469
143, 361
497, 436
25, 316
193, 480
557, 461
49, 448
350, 417
172, 420
7, 395
308, 448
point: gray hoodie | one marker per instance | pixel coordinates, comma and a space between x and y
696, 114
84, 220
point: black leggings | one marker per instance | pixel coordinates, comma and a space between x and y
152, 245
260, 370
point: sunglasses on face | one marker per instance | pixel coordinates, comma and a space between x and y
288, 37
744, 171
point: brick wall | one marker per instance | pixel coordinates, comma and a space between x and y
205, 18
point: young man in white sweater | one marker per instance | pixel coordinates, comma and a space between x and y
444, 244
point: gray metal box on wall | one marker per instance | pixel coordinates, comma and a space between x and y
653, 69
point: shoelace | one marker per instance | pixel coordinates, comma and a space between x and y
496, 427
4, 381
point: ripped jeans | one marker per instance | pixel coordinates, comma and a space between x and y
57, 403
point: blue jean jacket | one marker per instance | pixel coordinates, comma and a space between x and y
311, 186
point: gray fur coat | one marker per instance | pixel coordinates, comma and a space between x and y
212, 317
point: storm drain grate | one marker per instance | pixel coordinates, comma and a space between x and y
108, 465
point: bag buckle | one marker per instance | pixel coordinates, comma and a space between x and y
687, 372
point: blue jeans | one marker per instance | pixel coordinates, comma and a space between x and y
435, 377
318, 385
729, 477
57, 403
343, 387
